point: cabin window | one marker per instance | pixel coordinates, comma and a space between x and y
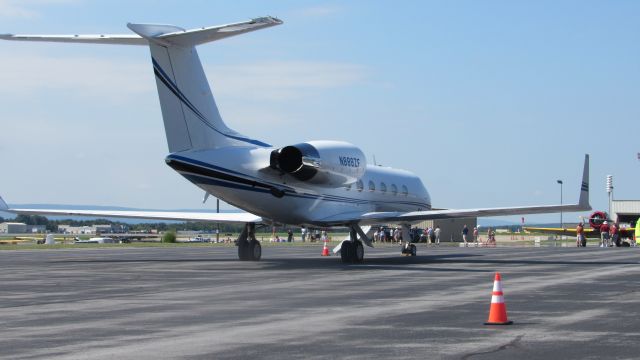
372, 186
359, 185
394, 189
383, 187
405, 191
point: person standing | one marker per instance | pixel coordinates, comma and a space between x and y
382, 235
289, 235
489, 231
604, 234
579, 234
423, 237
615, 239
304, 233
475, 236
465, 232
437, 234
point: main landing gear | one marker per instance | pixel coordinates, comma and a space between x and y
352, 250
249, 249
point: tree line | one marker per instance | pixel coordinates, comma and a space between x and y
52, 225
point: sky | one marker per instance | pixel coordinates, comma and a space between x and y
489, 102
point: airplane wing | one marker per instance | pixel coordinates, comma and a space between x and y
134, 214
559, 231
416, 216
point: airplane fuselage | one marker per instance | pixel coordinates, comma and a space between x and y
240, 176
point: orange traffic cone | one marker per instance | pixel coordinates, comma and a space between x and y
498, 310
325, 249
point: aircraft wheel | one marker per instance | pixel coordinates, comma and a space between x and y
346, 252
243, 250
254, 250
358, 252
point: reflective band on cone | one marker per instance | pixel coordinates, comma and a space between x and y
498, 309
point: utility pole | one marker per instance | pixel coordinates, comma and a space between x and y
561, 222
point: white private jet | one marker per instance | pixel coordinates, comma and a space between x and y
315, 183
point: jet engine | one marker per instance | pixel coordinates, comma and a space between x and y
325, 163
596, 219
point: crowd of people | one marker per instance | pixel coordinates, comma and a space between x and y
609, 235
430, 235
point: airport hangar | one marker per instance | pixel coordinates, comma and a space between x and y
625, 211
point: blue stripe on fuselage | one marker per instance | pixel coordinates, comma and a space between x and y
263, 187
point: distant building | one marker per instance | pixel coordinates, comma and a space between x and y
625, 211
13, 228
451, 229
91, 230
76, 230
36, 229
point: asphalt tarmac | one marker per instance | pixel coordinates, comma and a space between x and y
201, 303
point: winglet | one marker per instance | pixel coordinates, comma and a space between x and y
584, 187
3, 205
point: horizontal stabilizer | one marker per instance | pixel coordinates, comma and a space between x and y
81, 39
164, 35
193, 37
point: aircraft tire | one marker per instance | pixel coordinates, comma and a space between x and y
346, 252
254, 251
243, 250
358, 252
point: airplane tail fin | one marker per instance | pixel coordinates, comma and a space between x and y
191, 117
3, 205
583, 200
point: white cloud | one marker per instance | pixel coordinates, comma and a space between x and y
24, 8
109, 79
117, 80
284, 80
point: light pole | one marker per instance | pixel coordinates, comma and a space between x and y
561, 223
610, 191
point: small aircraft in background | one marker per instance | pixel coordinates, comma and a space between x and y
595, 220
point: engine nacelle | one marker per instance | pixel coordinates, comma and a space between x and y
327, 163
